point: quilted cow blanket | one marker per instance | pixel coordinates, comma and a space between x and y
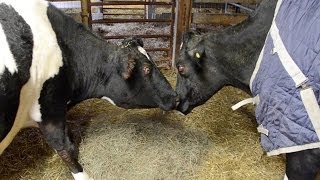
286, 81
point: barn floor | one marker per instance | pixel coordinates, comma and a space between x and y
212, 142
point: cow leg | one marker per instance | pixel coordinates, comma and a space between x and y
26, 99
6, 121
53, 110
56, 134
303, 164
3, 126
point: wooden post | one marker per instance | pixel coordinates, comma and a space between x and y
183, 21
84, 12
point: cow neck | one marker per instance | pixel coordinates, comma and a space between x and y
100, 69
86, 56
93, 65
241, 45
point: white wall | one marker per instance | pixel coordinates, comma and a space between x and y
67, 4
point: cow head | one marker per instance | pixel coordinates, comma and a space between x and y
136, 81
199, 75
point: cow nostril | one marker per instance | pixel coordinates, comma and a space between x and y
181, 68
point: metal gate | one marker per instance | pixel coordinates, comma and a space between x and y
153, 21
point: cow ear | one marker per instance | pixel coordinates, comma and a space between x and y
132, 42
189, 35
139, 41
128, 68
186, 36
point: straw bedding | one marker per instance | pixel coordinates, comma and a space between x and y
212, 142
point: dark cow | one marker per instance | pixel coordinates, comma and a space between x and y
48, 63
208, 62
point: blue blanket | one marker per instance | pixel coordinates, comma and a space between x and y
289, 120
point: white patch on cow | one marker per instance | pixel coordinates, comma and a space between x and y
47, 59
6, 57
81, 176
35, 113
144, 52
110, 100
47, 56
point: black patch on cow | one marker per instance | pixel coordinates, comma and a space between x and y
210, 61
20, 39
54, 96
96, 68
81, 51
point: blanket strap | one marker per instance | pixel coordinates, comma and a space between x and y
263, 130
254, 100
291, 67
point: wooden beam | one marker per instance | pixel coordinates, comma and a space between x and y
84, 12
224, 1
183, 21
219, 19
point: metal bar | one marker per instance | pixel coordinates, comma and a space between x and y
123, 8
158, 49
172, 28
111, 14
207, 5
89, 14
130, 20
140, 36
225, 8
119, 5
242, 7
145, 10
227, 1
130, 7
129, 3
175, 40
221, 19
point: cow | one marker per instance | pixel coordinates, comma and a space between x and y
49, 63
232, 57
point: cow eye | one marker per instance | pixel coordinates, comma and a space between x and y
146, 70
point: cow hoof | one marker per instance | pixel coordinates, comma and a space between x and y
81, 176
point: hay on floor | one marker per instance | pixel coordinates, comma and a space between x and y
212, 142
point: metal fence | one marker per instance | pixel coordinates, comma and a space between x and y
206, 13
151, 20
155, 21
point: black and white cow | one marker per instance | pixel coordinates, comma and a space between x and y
48, 62
208, 62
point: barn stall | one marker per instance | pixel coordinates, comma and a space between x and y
212, 142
